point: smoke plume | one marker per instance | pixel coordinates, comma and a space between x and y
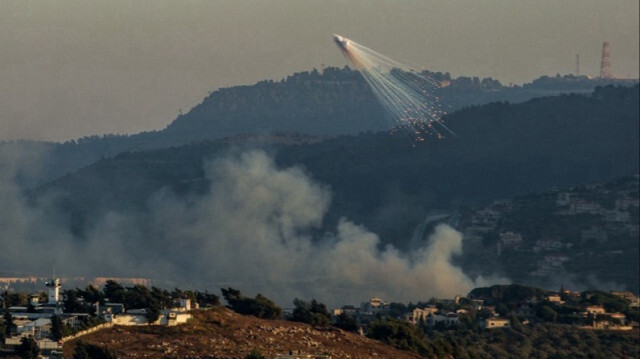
257, 229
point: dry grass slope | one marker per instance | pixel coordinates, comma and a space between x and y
221, 333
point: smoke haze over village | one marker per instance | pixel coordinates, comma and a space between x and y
252, 230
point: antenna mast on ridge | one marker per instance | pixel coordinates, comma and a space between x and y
605, 63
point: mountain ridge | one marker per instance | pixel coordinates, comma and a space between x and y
328, 103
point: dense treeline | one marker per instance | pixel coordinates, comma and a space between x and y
260, 306
332, 102
536, 341
313, 313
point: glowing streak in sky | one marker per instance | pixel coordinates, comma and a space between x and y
406, 95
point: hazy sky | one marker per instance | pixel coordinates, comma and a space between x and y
75, 68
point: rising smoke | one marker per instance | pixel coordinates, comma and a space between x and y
256, 230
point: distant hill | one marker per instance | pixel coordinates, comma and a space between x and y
381, 180
339, 102
329, 103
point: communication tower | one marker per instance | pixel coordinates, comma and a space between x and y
577, 64
605, 63
54, 290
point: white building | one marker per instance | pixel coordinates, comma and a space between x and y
185, 304
167, 317
420, 314
54, 291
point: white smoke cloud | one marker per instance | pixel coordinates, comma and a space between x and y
254, 231
257, 230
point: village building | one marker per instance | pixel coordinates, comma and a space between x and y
555, 298
564, 199
419, 315
448, 320
627, 202
633, 300
478, 304
617, 216
582, 206
496, 322
374, 306
349, 310
548, 244
595, 309
595, 233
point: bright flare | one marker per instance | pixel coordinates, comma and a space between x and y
408, 96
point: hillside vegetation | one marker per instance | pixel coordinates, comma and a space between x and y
384, 182
221, 333
328, 103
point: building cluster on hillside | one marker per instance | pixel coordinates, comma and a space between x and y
470, 311
600, 213
36, 320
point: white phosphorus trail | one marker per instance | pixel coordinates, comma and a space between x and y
408, 96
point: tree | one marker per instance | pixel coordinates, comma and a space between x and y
31, 308
346, 322
261, 306
266, 308
57, 328
73, 303
516, 324
28, 348
162, 297
399, 334
547, 314
153, 313
90, 351
207, 299
231, 295
80, 351
314, 313
255, 354
14, 299
114, 292
3, 331
9, 326
92, 295
137, 296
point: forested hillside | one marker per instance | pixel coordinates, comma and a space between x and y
382, 180
328, 103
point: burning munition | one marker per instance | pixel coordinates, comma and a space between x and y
409, 97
